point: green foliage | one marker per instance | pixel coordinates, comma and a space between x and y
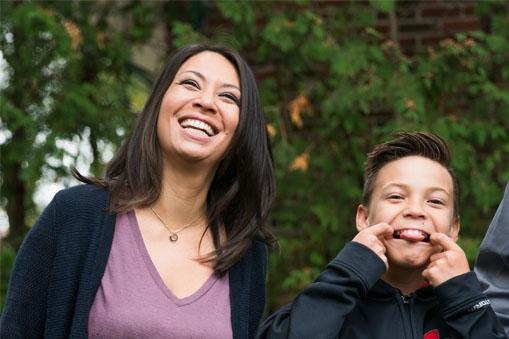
185, 34
336, 88
68, 79
382, 5
332, 88
7, 257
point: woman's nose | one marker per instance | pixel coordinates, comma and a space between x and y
206, 101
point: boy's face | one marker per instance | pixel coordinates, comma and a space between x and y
415, 196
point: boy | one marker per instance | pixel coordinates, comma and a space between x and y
402, 276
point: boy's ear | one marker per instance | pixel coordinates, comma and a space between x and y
455, 228
361, 219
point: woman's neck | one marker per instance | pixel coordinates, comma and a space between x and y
183, 193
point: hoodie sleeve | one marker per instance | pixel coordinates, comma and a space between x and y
329, 299
466, 310
492, 265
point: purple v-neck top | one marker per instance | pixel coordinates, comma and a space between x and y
133, 301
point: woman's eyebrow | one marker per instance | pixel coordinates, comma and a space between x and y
202, 77
198, 74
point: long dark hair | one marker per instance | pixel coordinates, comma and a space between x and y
243, 187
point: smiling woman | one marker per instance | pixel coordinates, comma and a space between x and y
200, 110
172, 241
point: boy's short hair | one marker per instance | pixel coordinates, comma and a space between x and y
424, 144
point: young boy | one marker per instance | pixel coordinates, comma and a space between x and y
403, 275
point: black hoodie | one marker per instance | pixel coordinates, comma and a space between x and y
348, 300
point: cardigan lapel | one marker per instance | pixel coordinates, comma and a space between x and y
240, 287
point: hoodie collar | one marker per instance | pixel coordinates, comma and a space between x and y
382, 290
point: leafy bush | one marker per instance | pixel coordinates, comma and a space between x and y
7, 256
333, 87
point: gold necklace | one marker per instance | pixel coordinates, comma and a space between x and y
173, 234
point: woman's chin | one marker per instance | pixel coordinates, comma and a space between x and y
196, 155
194, 151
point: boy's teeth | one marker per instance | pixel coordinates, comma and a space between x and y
411, 235
198, 125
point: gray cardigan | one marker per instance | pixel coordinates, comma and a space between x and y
61, 262
492, 266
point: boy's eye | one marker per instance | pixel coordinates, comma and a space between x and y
395, 197
436, 202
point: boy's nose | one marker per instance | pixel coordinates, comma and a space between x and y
414, 210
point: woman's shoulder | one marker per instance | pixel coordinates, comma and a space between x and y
80, 211
256, 255
259, 249
82, 202
82, 196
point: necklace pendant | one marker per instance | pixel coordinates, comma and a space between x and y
174, 237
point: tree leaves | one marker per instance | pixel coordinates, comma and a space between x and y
382, 5
332, 88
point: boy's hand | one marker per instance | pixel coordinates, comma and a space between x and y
447, 264
372, 238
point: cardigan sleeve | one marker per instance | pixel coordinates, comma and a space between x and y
25, 308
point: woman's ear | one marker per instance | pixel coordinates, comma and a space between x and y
361, 218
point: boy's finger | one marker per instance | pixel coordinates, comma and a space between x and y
380, 229
436, 256
437, 249
443, 240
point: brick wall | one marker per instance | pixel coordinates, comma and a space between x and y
416, 24
419, 24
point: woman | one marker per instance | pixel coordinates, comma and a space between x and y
171, 242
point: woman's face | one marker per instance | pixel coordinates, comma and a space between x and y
200, 110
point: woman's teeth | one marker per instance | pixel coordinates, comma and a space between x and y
193, 123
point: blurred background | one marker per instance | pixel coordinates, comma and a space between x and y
336, 78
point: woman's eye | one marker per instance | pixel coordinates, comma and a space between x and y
231, 97
189, 82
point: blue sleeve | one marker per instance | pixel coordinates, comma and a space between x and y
492, 265
319, 311
24, 313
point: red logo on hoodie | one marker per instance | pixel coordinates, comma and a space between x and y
433, 334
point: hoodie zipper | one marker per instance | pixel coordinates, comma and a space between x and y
407, 310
